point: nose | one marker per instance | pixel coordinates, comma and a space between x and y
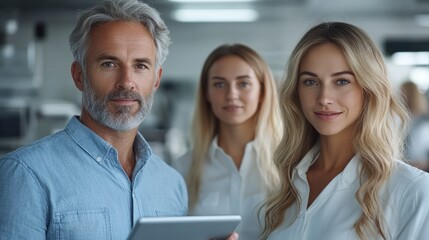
325, 96
232, 93
125, 79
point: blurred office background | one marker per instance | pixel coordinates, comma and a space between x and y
37, 94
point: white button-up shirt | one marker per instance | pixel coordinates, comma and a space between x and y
226, 190
404, 200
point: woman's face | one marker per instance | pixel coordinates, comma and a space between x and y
233, 90
330, 95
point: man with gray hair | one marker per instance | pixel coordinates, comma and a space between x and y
98, 176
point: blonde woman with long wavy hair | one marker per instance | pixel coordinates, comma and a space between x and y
236, 127
339, 159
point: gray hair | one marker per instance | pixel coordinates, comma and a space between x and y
119, 10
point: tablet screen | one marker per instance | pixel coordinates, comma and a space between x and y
185, 227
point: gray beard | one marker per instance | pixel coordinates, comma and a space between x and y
122, 119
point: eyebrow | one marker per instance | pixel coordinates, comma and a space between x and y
334, 75
105, 56
222, 78
342, 73
110, 57
144, 60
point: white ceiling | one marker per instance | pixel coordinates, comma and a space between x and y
270, 10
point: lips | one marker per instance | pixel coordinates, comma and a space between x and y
123, 101
327, 115
232, 108
124, 96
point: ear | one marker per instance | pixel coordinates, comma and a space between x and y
158, 78
76, 72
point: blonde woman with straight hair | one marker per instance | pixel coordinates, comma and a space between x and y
339, 159
236, 127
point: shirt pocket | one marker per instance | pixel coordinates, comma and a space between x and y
83, 224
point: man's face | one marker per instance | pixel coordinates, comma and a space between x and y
120, 76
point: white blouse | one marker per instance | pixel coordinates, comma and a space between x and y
404, 200
227, 190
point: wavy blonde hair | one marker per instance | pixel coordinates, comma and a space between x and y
378, 135
205, 124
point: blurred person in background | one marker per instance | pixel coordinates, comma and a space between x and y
235, 129
417, 141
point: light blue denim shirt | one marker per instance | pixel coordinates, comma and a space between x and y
70, 185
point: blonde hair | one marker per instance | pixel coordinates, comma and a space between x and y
205, 124
378, 136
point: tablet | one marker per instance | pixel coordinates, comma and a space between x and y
185, 227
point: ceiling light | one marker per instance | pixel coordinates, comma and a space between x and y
411, 58
215, 15
422, 20
11, 26
209, 1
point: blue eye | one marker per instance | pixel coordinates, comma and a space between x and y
219, 84
342, 82
107, 64
243, 84
141, 66
310, 82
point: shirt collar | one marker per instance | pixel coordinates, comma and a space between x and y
351, 172
308, 160
348, 175
215, 149
98, 148
142, 150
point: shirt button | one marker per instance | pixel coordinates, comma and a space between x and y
98, 159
